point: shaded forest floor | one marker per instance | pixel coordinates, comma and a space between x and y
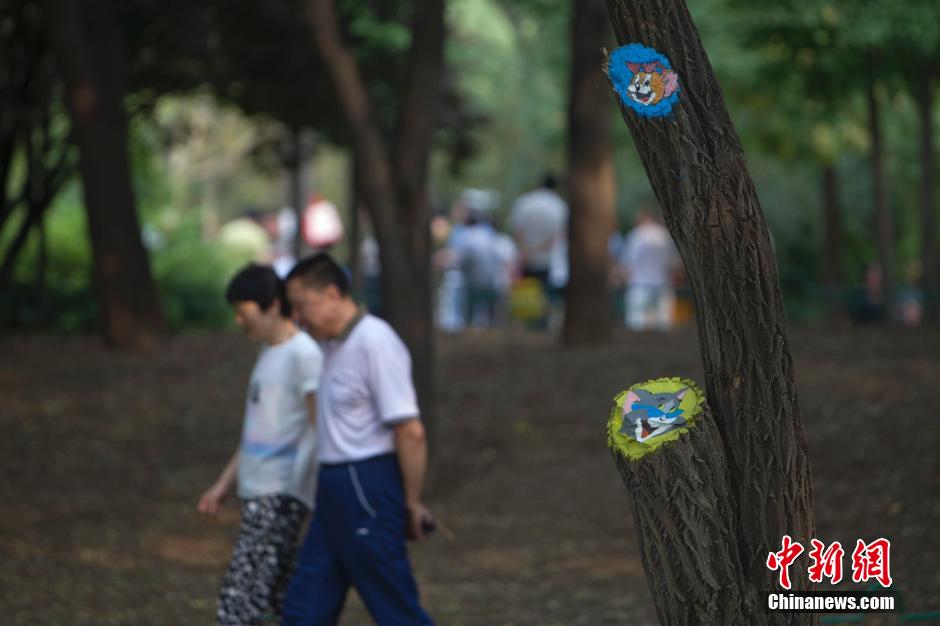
103, 455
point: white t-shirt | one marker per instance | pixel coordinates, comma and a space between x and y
649, 255
538, 218
278, 448
366, 389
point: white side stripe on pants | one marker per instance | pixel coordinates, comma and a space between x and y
360, 494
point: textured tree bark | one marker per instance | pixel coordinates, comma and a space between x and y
884, 225
591, 190
928, 218
394, 189
696, 166
86, 40
685, 520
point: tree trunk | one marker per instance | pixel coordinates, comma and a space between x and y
416, 123
832, 241
928, 226
394, 186
884, 227
684, 517
86, 40
294, 163
832, 230
591, 189
33, 217
695, 164
355, 226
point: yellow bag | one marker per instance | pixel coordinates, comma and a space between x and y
527, 300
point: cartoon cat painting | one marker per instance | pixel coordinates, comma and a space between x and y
647, 414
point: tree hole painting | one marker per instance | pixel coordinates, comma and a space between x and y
649, 414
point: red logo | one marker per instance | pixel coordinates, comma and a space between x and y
827, 562
782, 560
870, 561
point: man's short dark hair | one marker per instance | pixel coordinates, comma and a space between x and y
320, 271
260, 284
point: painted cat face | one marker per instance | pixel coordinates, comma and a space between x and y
648, 414
647, 88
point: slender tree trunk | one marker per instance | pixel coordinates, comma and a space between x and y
86, 40
832, 230
884, 226
295, 184
355, 225
42, 271
832, 240
696, 167
394, 187
591, 189
33, 217
928, 224
416, 123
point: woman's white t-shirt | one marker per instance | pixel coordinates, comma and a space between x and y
278, 447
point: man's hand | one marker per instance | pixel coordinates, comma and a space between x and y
211, 501
420, 522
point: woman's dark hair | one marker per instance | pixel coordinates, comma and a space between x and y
320, 271
260, 284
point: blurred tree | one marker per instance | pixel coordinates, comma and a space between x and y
696, 166
828, 51
930, 279
35, 154
805, 77
394, 175
903, 42
86, 39
591, 187
260, 57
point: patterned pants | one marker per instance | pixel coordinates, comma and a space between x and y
264, 557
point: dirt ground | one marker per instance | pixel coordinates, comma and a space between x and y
103, 456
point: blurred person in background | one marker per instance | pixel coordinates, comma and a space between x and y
451, 305
539, 222
647, 262
478, 256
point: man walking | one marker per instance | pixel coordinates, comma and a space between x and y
372, 453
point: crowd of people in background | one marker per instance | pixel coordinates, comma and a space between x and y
495, 276
493, 268
501, 265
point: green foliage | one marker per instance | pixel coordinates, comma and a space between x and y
192, 275
510, 60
